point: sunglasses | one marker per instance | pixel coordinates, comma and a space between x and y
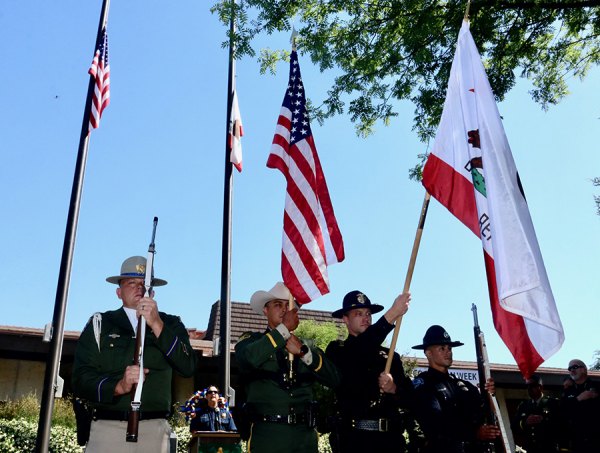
575, 367
208, 392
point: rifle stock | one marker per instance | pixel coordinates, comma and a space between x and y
491, 409
133, 420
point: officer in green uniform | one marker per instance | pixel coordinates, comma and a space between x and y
279, 391
537, 419
104, 375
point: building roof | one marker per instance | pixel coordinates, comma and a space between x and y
243, 319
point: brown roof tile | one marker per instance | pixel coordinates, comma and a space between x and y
243, 319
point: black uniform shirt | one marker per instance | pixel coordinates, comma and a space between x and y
448, 409
361, 359
583, 416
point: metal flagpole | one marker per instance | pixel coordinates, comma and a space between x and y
409, 274
62, 290
225, 299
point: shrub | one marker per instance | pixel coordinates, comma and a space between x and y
28, 408
19, 435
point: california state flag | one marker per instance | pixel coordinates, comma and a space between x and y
471, 171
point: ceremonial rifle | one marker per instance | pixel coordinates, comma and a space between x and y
138, 356
491, 409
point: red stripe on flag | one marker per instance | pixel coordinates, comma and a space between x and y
452, 190
327, 208
303, 206
284, 121
305, 255
280, 141
291, 281
511, 327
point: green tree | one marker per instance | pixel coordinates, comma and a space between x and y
321, 332
596, 182
389, 50
596, 364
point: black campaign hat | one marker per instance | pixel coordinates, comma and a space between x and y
437, 335
356, 299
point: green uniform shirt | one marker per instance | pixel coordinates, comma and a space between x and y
96, 372
262, 359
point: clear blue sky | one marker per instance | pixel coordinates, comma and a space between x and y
159, 152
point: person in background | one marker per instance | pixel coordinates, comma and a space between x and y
213, 413
581, 408
537, 420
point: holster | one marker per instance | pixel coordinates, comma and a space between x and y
83, 419
312, 414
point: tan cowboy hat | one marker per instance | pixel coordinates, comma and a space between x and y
261, 298
134, 267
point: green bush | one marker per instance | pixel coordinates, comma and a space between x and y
28, 408
19, 435
183, 438
19, 424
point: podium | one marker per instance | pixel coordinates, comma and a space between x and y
215, 442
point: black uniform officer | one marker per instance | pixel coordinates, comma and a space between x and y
369, 402
537, 420
449, 410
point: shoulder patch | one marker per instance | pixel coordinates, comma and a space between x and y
418, 382
245, 335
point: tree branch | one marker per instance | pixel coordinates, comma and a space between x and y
558, 5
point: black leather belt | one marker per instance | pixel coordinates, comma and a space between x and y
289, 419
456, 446
380, 425
124, 415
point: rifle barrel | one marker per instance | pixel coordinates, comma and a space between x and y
133, 421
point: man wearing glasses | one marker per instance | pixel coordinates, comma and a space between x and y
582, 409
215, 415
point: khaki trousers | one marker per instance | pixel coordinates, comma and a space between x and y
108, 436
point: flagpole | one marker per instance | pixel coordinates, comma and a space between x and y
409, 274
62, 290
225, 299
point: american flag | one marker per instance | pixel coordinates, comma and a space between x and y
100, 71
311, 237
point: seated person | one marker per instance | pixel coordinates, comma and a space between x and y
212, 413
